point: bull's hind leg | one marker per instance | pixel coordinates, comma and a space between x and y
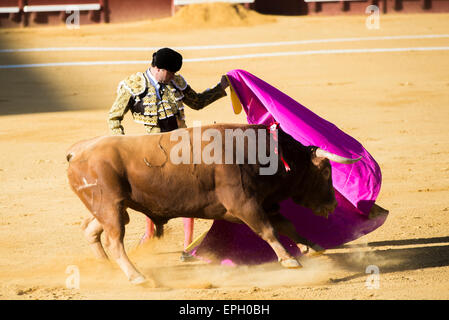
285, 227
114, 226
92, 231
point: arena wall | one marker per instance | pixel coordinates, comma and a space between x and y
107, 11
28, 13
326, 7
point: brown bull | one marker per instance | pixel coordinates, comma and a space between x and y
113, 173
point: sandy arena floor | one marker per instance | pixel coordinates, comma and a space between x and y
395, 103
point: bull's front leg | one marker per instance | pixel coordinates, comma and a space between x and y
285, 227
241, 209
254, 216
310, 251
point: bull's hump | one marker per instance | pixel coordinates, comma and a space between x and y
233, 126
223, 127
81, 146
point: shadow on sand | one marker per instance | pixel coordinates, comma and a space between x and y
393, 260
24, 90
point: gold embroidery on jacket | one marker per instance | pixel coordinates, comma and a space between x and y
118, 110
179, 82
135, 84
171, 103
149, 100
149, 120
198, 101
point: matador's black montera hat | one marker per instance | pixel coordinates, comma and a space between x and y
167, 59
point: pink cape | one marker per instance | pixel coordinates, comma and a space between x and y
356, 185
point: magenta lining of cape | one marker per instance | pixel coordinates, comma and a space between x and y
356, 185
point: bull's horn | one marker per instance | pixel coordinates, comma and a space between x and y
333, 157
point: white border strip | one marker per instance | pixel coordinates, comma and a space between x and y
9, 9
221, 58
230, 46
311, 52
62, 7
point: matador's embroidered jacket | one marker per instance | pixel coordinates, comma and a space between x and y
158, 111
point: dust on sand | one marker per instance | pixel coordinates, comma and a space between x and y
395, 104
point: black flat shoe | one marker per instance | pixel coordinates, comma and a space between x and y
186, 257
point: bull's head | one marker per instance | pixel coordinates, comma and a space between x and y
317, 191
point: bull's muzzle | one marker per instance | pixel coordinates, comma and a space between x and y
326, 209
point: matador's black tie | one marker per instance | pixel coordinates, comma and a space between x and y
161, 89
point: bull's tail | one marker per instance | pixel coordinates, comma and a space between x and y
159, 230
80, 146
69, 156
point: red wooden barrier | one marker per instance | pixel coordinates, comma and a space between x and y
16, 13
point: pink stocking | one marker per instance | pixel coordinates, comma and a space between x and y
149, 232
188, 231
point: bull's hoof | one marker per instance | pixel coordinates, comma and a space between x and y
309, 252
316, 253
291, 264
